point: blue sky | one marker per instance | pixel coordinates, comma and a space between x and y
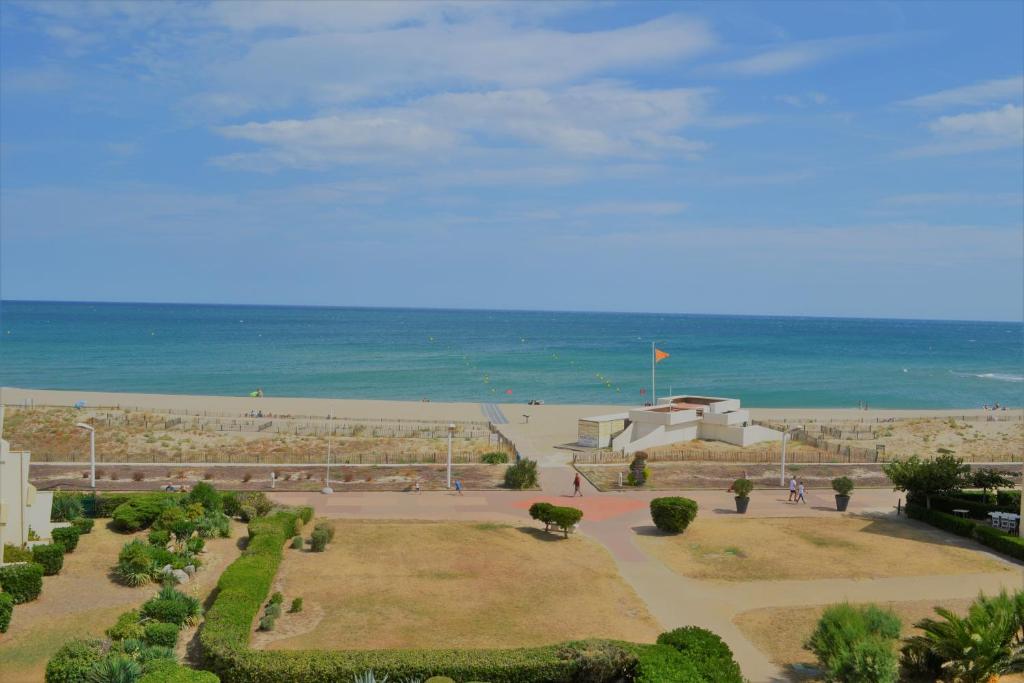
851, 159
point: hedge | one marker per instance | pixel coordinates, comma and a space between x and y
706, 650
169, 671
672, 513
983, 533
84, 525
51, 557
73, 661
159, 633
6, 611
24, 582
13, 553
66, 537
977, 509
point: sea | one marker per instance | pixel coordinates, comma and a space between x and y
508, 356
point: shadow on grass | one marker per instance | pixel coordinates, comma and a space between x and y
650, 530
540, 534
913, 530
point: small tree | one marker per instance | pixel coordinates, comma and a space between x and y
855, 644
988, 479
521, 475
922, 479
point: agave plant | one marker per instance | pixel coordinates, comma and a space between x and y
369, 677
976, 648
115, 668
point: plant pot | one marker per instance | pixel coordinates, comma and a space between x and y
842, 502
742, 503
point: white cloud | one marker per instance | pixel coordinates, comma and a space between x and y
973, 132
985, 93
792, 56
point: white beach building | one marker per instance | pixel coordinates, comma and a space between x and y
22, 507
674, 419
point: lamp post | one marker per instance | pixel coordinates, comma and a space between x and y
327, 481
785, 436
92, 452
451, 432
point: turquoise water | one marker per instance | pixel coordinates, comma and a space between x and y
448, 355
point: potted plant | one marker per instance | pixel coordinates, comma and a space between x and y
842, 487
742, 489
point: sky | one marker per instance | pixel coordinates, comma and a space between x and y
827, 159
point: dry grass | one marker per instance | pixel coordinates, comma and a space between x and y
780, 632
813, 548
453, 585
82, 601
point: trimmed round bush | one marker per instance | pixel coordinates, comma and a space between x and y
673, 514
127, 627
842, 485
167, 671
328, 527
50, 556
159, 633
24, 582
73, 661
66, 537
705, 650
742, 488
6, 611
318, 540
84, 525
297, 542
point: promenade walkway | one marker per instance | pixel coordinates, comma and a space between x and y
615, 520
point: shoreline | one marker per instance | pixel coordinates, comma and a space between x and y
377, 409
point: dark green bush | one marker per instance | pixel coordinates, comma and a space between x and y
195, 545
66, 507
673, 514
541, 512
494, 458
705, 650
297, 542
172, 607
665, 664
253, 504
1000, 541
318, 540
553, 515
127, 627
296, 605
855, 644
159, 537
13, 553
276, 598
742, 487
305, 514
73, 662
84, 525
206, 495
159, 633
273, 610
267, 622
958, 525
115, 668
842, 485
167, 671
66, 537
326, 526
7, 610
50, 556
24, 582
521, 475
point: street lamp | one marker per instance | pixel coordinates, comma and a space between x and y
451, 432
785, 434
327, 482
92, 452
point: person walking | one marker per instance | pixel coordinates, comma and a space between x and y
458, 486
800, 494
576, 486
417, 488
792, 489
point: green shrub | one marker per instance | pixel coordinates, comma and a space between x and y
273, 610
214, 525
254, 504
541, 512
66, 507
135, 564
73, 661
13, 553
1000, 541
7, 610
318, 540
115, 668
104, 504
127, 627
706, 651
195, 545
172, 607
553, 515
521, 475
665, 664
66, 537
276, 598
84, 525
600, 660
267, 622
159, 633
128, 518
297, 542
296, 605
159, 537
673, 514
494, 458
855, 644
305, 514
206, 495
842, 485
326, 526
24, 582
232, 506
51, 557
742, 488
167, 671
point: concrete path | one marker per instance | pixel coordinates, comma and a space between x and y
615, 520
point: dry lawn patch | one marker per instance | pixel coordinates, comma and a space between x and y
82, 601
455, 585
852, 547
780, 632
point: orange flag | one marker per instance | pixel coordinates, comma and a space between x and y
659, 355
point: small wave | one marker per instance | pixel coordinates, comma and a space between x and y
998, 376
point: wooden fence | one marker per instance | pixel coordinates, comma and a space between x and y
260, 459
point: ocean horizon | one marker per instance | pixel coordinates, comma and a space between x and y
498, 356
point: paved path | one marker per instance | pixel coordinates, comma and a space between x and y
615, 520
492, 411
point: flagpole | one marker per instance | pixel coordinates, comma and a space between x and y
654, 392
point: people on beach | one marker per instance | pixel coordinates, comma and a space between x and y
458, 486
416, 486
800, 494
576, 486
792, 489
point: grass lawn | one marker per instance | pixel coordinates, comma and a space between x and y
82, 601
780, 632
453, 585
742, 549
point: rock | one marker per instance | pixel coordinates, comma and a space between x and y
179, 576
167, 569
190, 569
